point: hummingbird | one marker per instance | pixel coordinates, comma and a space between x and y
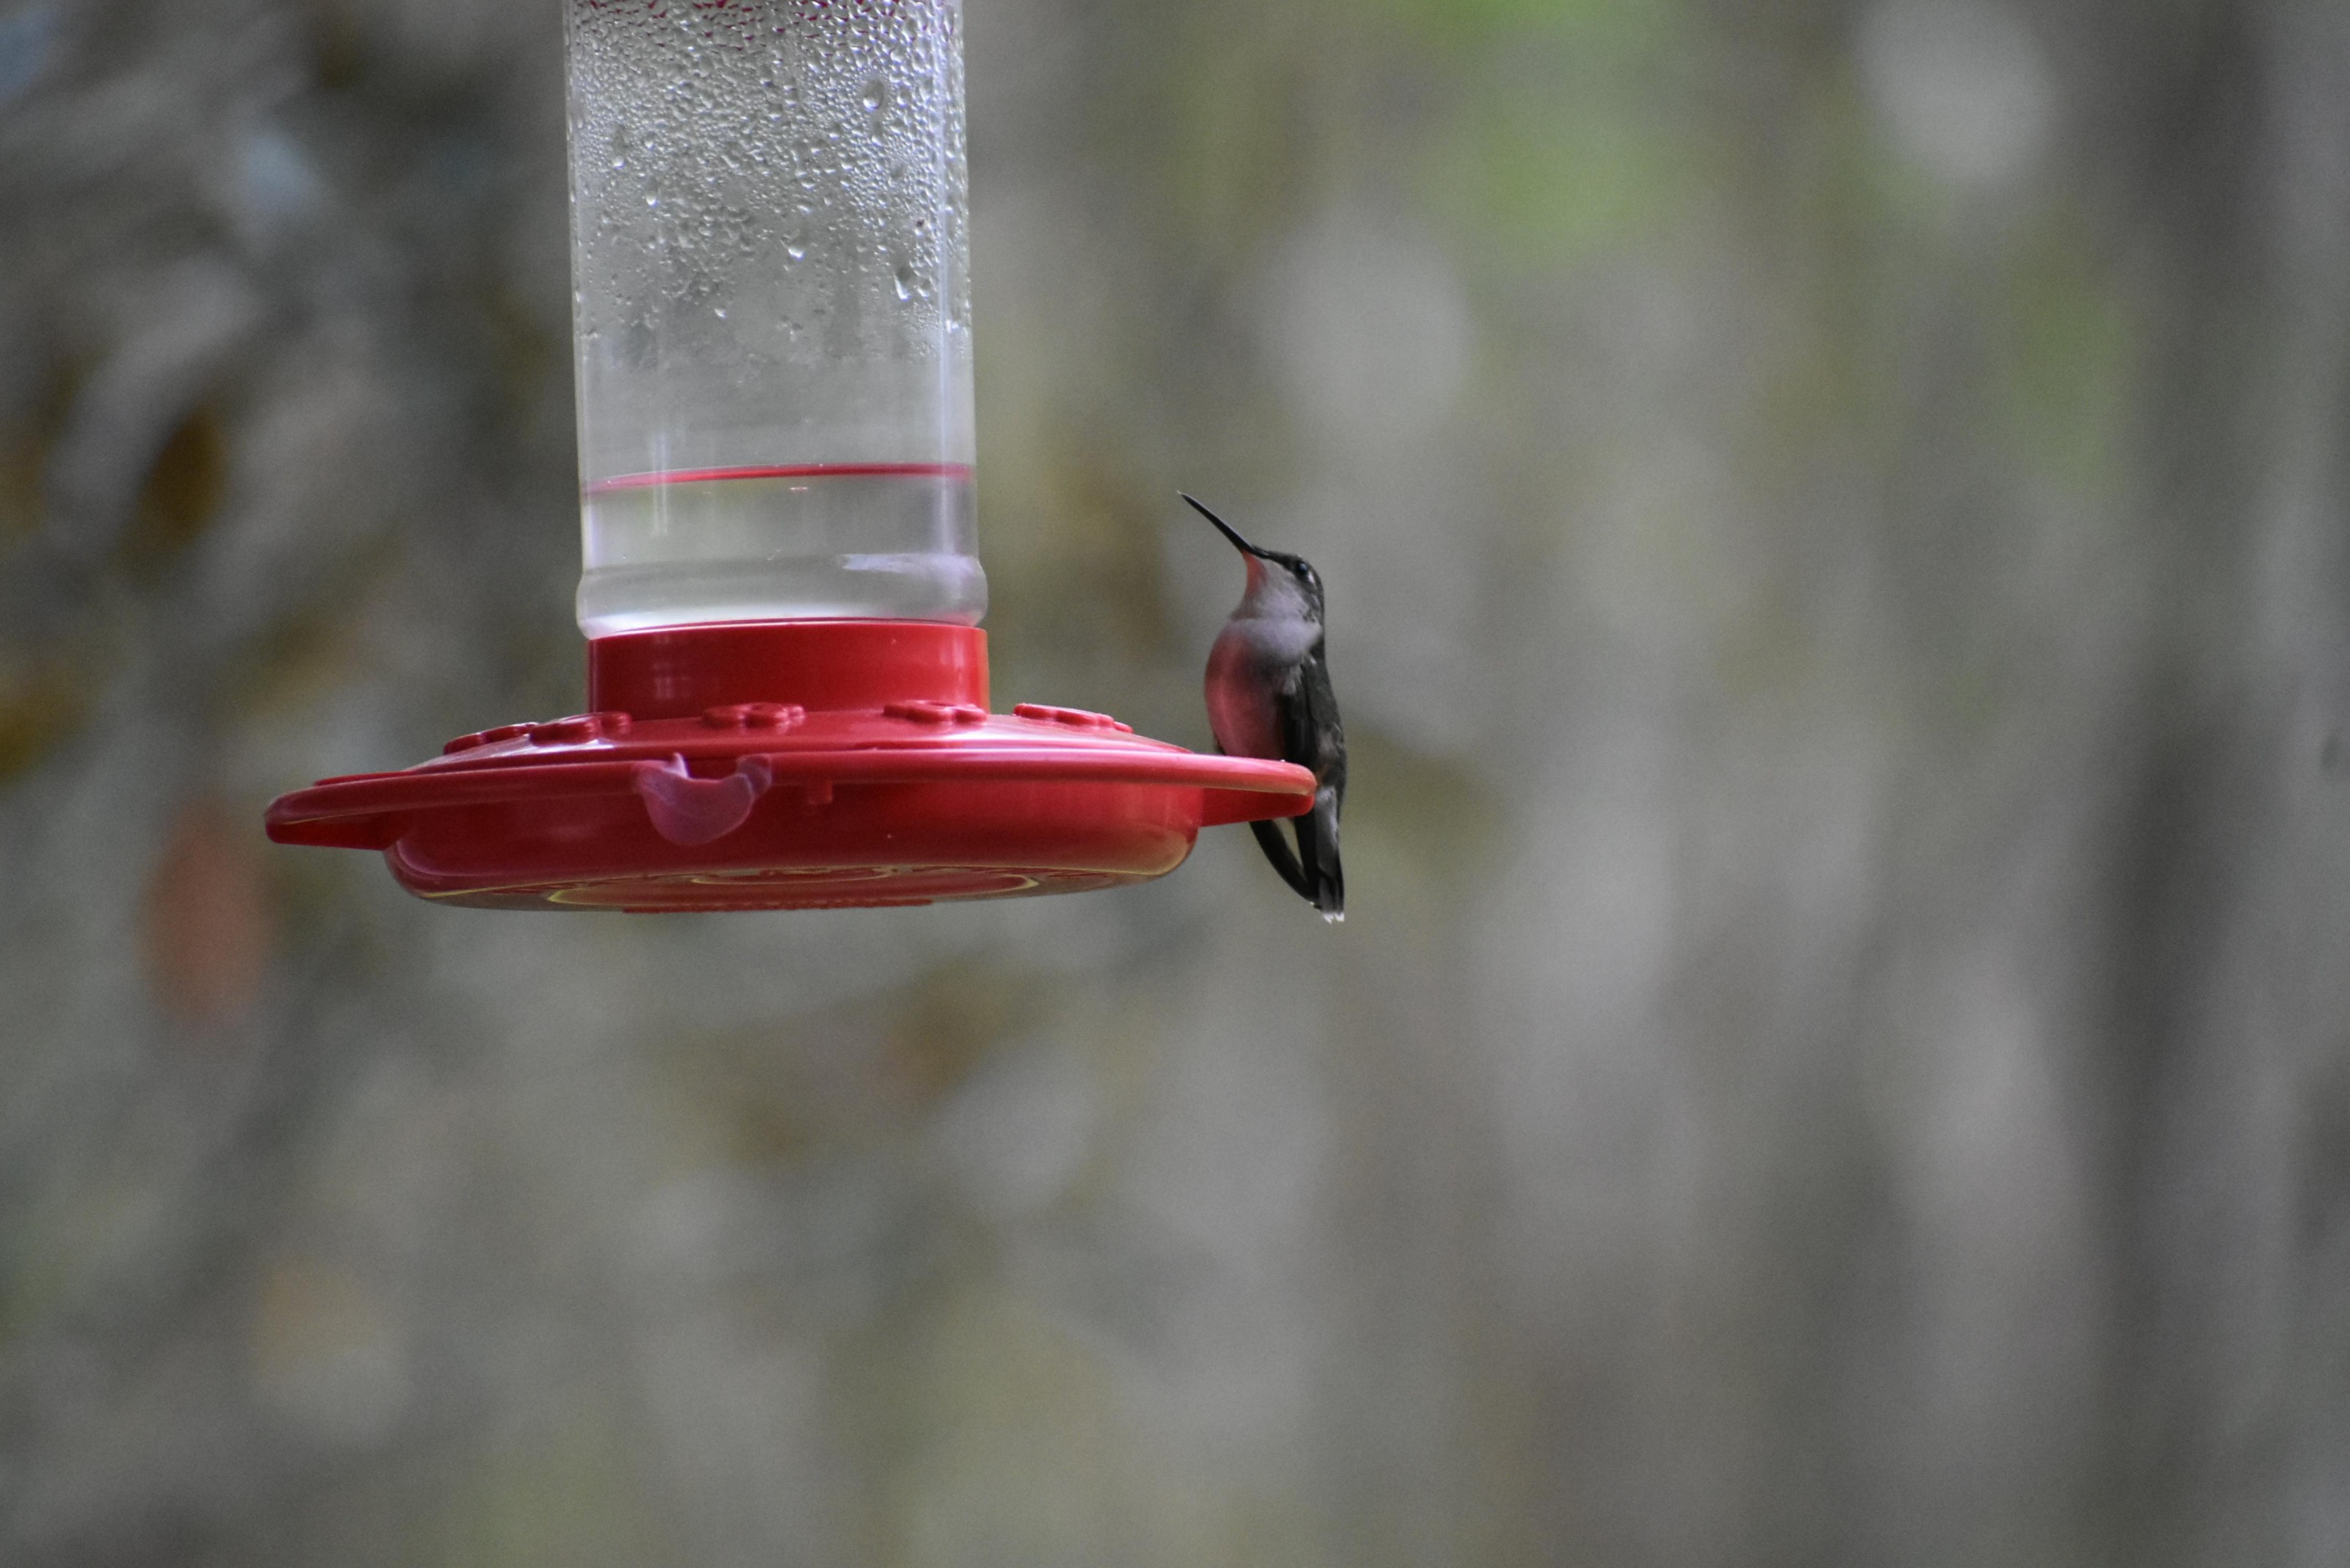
1269, 696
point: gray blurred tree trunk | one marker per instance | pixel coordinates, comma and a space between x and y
2223, 983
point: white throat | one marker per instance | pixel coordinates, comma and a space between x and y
1280, 616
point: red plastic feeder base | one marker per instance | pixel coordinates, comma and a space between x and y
789, 765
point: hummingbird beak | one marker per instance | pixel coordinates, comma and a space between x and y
1224, 527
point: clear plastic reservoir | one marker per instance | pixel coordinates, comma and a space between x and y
771, 256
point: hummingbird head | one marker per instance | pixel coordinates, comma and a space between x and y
1272, 574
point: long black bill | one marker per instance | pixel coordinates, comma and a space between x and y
1226, 527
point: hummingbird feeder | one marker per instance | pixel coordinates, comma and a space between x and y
787, 682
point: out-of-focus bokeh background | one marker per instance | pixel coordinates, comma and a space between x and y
1835, 520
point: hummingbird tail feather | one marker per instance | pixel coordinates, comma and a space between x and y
1276, 849
1317, 847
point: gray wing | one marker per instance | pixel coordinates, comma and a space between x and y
1312, 735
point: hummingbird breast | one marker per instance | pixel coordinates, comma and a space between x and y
1246, 673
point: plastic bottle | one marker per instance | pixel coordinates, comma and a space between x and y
771, 261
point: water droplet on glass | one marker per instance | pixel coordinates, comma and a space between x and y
789, 157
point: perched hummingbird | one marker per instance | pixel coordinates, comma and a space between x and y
1269, 696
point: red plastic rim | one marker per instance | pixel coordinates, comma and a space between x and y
789, 765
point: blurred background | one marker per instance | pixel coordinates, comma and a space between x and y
1834, 518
